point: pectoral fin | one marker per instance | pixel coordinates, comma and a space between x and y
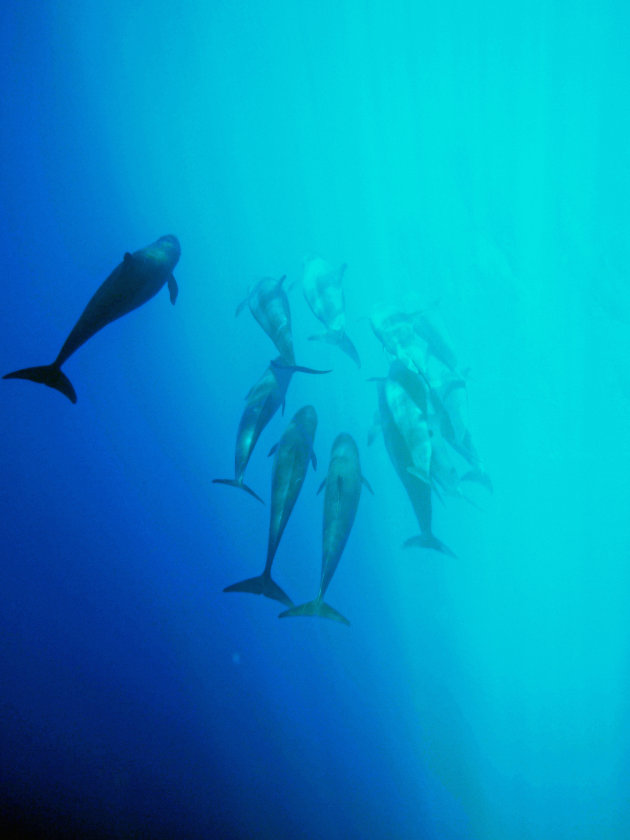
173, 288
321, 487
272, 450
314, 459
367, 484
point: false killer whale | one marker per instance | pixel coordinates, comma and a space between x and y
133, 282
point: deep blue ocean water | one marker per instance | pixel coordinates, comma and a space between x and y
472, 157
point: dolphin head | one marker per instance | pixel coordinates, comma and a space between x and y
306, 420
345, 447
170, 249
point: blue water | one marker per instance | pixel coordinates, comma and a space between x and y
473, 155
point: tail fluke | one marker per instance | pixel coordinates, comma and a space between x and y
50, 375
420, 474
480, 477
340, 340
261, 585
318, 608
428, 541
234, 482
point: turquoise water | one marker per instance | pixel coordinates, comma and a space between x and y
471, 158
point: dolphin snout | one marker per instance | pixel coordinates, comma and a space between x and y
306, 417
172, 243
344, 445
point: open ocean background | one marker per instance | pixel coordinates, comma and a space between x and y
474, 154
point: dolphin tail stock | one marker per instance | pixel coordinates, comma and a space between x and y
340, 340
234, 482
428, 541
261, 585
50, 375
349, 349
318, 608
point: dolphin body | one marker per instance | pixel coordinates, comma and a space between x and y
444, 473
292, 456
418, 491
324, 294
394, 329
430, 328
133, 282
269, 304
261, 403
343, 490
451, 403
411, 422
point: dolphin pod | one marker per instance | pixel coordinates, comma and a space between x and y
133, 282
293, 454
422, 407
341, 500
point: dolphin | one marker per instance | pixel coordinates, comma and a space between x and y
407, 394
415, 384
412, 424
293, 454
418, 491
261, 403
269, 304
343, 489
394, 329
324, 294
133, 282
444, 473
428, 325
450, 399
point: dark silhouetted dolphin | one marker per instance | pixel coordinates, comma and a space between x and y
261, 403
292, 456
343, 490
269, 304
136, 280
